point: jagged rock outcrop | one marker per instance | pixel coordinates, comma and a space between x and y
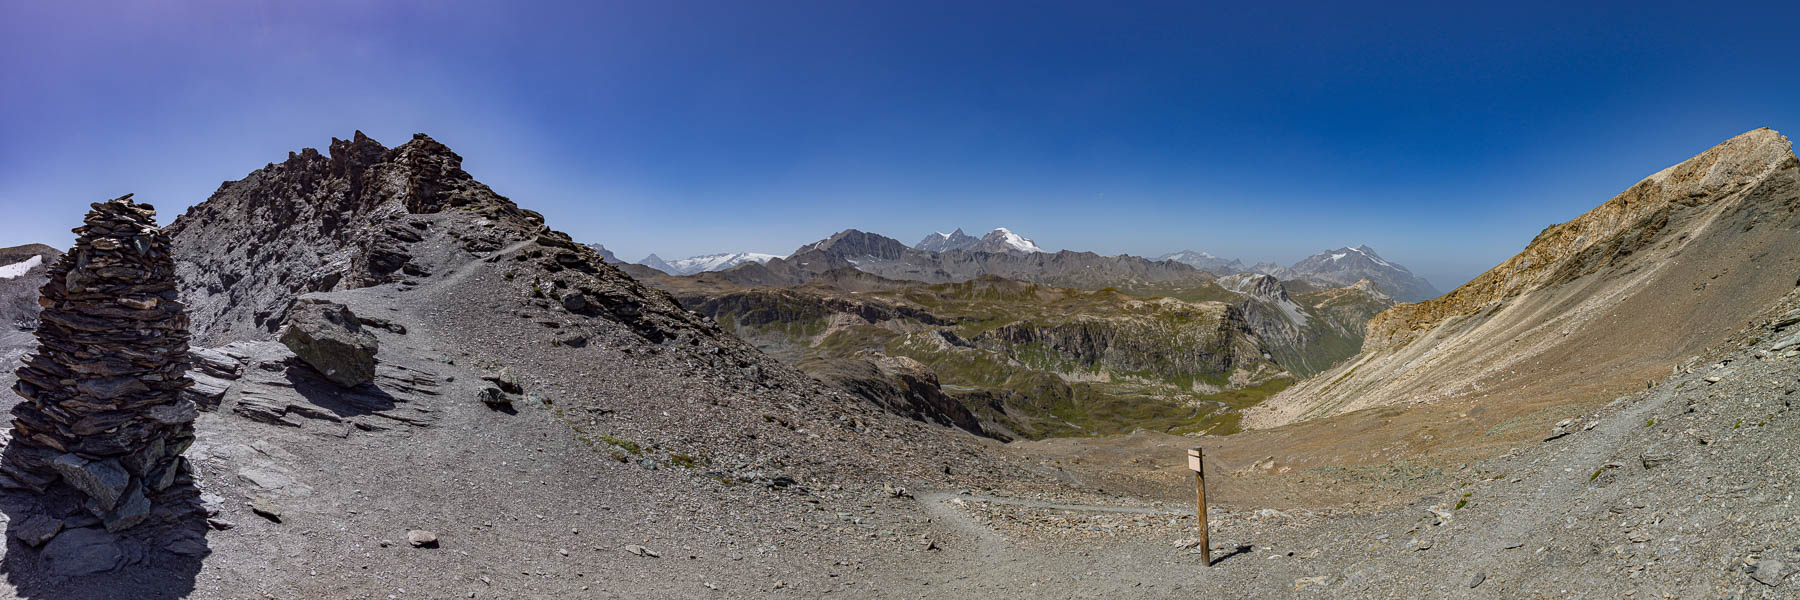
1313, 330
1175, 341
105, 420
900, 385
1584, 312
605, 254
321, 222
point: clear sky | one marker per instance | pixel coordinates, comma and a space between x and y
1443, 136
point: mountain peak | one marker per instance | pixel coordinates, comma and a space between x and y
945, 242
1002, 239
1345, 266
853, 242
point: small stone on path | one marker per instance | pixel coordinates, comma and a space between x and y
265, 508
420, 538
1769, 572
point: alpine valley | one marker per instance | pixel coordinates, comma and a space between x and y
362, 372
1036, 344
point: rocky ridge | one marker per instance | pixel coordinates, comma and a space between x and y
1312, 330
1207, 262
945, 242
1563, 320
488, 250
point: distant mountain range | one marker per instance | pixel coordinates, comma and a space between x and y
1000, 239
1206, 262
706, 263
957, 256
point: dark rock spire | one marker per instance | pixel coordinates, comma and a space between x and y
105, 423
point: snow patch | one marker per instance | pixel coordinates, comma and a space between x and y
716, 262
1369, 256
20, 268
1292, 310
1017, 241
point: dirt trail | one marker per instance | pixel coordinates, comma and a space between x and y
1551, 489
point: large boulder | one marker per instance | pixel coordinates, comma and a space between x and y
327, 336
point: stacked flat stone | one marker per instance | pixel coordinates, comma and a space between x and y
105, 422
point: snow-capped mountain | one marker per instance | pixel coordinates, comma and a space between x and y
702, 264
1345, 266
1206, 262
945, 242
1002, 239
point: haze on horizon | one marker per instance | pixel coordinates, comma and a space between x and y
1261, 133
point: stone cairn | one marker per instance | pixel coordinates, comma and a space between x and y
105, 422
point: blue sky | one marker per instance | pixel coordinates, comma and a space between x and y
1444, 137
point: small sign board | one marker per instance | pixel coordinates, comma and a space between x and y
1194, 459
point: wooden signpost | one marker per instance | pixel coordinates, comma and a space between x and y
1196, 464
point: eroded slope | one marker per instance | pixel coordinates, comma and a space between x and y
1593, 307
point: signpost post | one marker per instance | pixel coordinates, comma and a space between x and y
1198, 466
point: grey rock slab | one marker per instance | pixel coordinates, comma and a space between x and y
102, 480
265, 479
37, 530
1788, 342
84, 551
133, 510
212, 503
187, 546
174, 413
214, 363
207, 390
